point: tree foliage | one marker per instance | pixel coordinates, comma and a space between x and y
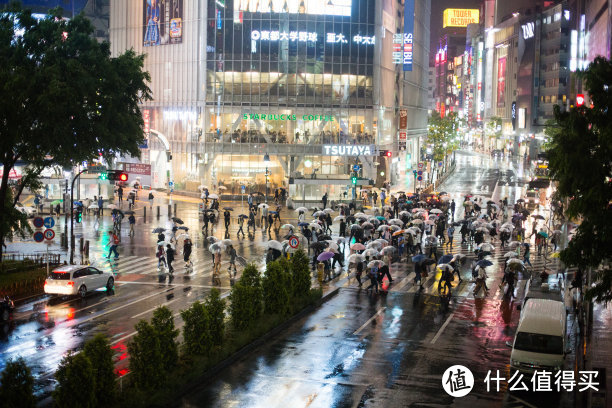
442, 134
146, 357
301, 274
196, 331
493, 127
17, 385
579, 159
246, 298
76, 383
63, 98
216, 311
276, 288
163, 324
100, 354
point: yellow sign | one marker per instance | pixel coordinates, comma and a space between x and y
460, 17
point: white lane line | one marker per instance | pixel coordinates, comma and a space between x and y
403, 282
171, 285
153, 308
370, 320
433, 341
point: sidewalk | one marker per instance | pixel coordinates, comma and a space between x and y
601, 353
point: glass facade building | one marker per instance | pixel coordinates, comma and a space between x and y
309, 85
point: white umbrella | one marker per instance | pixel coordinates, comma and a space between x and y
332, 244
328, 211
216, 247
203, 187
404, 214
360, 214
263, 205
274, 244
227, 242
395, 228
356, 258
375, 245
513, 244
386, 251
213, 197
370, 252
339, 218
313, 225
515, 261
486, 247
446, 266
222, 188
330, 249
93, 206
382, 241
290, 226
511, 254
417, 221
375, 263
303, 209
429, 222
435, 211
396, 221
112, 206
507, 225
318, 214
383, 228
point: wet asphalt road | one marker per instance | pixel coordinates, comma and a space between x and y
43, 329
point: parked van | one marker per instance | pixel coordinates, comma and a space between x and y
539, 343
535, 289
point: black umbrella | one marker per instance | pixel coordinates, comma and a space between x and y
116, 211
177, 220
428, 261
355, 227
324, 237
318, 245
350, 219
490, 202
184, 228
130, 212
520, 200
158, 230
243, 216
228, 208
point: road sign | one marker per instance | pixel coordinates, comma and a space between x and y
440, 164
49, 222
420, 165
38, 236
356, 167
38, 222
243, 189
96, 168
294, 242
420, 178
49, 234
420, 173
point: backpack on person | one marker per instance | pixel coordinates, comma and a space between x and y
115, 239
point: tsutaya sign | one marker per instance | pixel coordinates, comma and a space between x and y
348, 150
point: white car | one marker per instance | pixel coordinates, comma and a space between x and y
77, 279
29, 211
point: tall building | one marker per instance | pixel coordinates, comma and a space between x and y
294, 94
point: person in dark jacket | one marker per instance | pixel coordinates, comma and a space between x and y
170, 257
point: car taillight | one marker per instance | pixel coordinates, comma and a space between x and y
70, 283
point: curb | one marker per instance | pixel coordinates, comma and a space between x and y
255, 344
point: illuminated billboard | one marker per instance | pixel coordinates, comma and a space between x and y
162, 22
501, 81
321, 7
460, 17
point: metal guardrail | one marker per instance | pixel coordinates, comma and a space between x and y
36, 258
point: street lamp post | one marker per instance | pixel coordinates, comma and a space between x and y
267, 161
72, 214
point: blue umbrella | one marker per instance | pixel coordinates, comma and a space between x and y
484, 263
303, 224
418, 258
272, 212
444, 259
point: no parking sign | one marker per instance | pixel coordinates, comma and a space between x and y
294, 242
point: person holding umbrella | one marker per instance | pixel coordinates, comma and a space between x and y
232, 262
527, 254
241, 218
132, 221
227, 217
113, 243
161, 255
170, 258
187, 247
373, 275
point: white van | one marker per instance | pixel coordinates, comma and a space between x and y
539, 343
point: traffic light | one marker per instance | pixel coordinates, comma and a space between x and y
79, 216
354, 180
116, 175
103, 176
123, 177
386, 153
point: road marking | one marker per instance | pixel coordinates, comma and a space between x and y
403, 282
433, 341
370, 320
172, 284
153, 308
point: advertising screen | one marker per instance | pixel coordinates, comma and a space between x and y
321, 7
459, 17
162, 22
501, 81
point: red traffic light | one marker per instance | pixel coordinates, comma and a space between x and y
579, 100
388, 153
123, 177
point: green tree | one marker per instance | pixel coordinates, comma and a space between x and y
76, 383
302, 280
215, 307
163, 323
579, 159
196, 331
276, 288
15, 223
99, 352
146, 357
442, 134
493, 127
246, 298
63, 99
17, 385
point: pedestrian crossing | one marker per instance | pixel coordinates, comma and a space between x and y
141, 265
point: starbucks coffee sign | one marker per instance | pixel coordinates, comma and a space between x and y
348, 150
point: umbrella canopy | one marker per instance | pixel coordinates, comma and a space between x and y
324, 237
486, 247
417, 221
375, 245
387, 251
520, 200
216, 247
436, 211
318, 213
212, 240
430, 222
340, 240
263, 205
396, 221
302, 209
183, 228
303, 224
161, 243
318, 245
227, 242
508, 225
459, 257
129, 212
375, 263
538, 217
446, 266
228, 208
370, 252
274, 244
427, 261
400, 232
112, 206
339, 218
513, 244
93, 206
158, 230
367, 225
360, 214
543, 233
444, 259
221, 188
213, 196
511, 254
515, 261
357, 246
273, 212
383, 228
290, 226
117, 211
418, 258
177, 220
314, 225
243, 216
328, 211
355, 227
483, 263
356, 258
332, 244
325, 256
